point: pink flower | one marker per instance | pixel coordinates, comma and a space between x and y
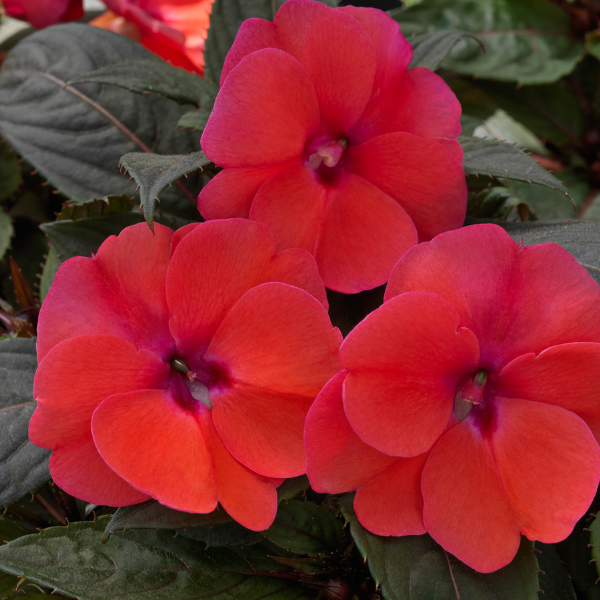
173, 29
470, 402
43, 13
327, 138
181, 366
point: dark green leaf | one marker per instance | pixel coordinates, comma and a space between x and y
580, 238
153, 173
10, 172
96, 208
493, 158
81, 238
49, 272
416, 568
226, 18
23, 466
494, 203
431, 49
527, 41
195, 119
305, 528
75, 136
555, 581
144, 565
152, 76
6, 232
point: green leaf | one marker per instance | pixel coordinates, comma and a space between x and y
527, 41
306, 528
75, 136
23, 466
83, 237
416, 568
555, 581
152, 76
10, 172
495, 203
226, 18
195, 119
580, 238
142, 564
153, 173
6, 232
49, 272
493, 158
431, 49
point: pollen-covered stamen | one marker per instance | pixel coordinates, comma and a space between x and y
328, 154
180, 366
469, 394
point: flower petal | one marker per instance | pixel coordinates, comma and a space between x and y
405, 361
292, 205
159, 446
338, 55
466, 509
263, 114
363, 234
549, 463
392, 503
420, 102
567, 375
230, 193
214, 266
77, 375
118, 292
420, 174
279, 348
506, 294
337, 460
78, 468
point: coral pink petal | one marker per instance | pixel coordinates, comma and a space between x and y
337, 460
49, 12
392, 503
78, 468
549, 463
420, 103
466, 509
249, 498
292, 205
253, 35
230, 193
215, 265
180, 234
338, 55
567, 375
427, 181
160, 446
363, 234
260, 415
264, 113
80, 373
453, 147
405, 361
119, 292
508, 296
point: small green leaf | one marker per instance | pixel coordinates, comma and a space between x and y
306, 528
154, 173
493, 158
195, 119
49, 272
23, 466
580, 238
152, 76
146, 565
10, 172
6, 232
494, 203
431, 49
416, 568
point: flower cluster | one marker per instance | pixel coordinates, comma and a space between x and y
200, 367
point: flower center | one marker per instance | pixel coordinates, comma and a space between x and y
197, 389
470, 393
329, 154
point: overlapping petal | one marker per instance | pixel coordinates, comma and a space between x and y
46, 13
405, 361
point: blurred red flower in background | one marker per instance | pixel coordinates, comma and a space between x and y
469, 405
181, 366
43, 13
327, 138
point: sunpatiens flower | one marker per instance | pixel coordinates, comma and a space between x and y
173, 29
43, 13
326, 137
180, 366
482, 370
